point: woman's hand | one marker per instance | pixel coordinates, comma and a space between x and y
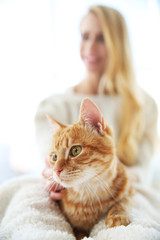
53, 187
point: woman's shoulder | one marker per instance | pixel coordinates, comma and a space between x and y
150, 107
148, 101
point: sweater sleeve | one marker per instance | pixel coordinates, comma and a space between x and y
148, 142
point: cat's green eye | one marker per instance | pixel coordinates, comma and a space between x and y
75, 150
54, 157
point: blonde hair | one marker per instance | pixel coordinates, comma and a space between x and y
120, 79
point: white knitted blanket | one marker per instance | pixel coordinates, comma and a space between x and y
27, 213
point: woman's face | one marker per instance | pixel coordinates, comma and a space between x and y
93, 49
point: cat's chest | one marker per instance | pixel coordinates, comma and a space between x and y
83, 213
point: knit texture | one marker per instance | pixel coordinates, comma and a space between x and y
26, 212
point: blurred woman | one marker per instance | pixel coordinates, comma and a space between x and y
110, 82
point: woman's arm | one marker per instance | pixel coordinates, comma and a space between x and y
148, 142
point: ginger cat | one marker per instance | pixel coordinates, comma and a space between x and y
84, 162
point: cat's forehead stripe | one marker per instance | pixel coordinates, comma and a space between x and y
61, 141
69, 142
65, 142
66, 153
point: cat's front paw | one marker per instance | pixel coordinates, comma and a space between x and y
117, 220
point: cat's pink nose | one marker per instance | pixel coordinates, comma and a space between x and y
58, 170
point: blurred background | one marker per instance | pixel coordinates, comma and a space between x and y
39, 56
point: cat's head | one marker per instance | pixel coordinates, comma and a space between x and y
81, 151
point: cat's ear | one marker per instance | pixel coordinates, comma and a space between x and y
91, 116
54, 123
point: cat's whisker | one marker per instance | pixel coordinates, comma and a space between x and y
74, 171
97, 197
94, 195
71, 174
109, 190
50, 178
49, 187
45, 187
105, 186
53, 183
56, 186
89, 193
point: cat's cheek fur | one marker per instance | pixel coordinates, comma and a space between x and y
63, 179
67, 181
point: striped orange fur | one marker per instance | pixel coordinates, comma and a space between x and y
84, 161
